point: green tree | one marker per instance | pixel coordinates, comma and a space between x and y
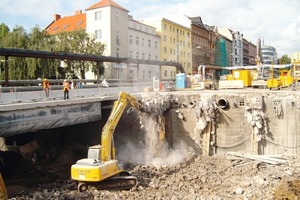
284, 60
18, 68
80, 42
4, 31
77, 42
40, 67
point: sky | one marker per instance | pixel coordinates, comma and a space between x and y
276, 22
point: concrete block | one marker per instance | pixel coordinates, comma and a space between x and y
231, 84
148, 89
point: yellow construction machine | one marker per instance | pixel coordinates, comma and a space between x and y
101, 169
280, 78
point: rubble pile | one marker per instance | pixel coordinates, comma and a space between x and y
171, 173
196, 177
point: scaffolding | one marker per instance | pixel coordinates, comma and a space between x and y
221, 55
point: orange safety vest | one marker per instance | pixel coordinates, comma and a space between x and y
46, 84
66, 86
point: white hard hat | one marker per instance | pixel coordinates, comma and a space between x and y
65, 80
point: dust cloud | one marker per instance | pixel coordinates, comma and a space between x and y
153, 149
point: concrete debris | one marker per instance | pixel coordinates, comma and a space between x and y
204, 112
270, 159
156, 104
196, 177
256, 117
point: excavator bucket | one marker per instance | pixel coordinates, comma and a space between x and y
162, 130
3, 191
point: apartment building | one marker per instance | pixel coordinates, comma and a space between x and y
224, 51
200, 43
252, 53
175, 43
212, 39
170, 38
269, 55
107, 21
143, 43
110, 24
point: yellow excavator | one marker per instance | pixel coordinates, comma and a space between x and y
101, 169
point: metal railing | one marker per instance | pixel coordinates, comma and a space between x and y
35, 93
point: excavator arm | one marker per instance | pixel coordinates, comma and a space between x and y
108, 151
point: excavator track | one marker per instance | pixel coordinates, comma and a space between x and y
119, 182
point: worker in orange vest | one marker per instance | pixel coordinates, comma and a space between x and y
66, 85
46, 87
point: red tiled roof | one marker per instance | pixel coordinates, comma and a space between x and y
67, 24
105, 3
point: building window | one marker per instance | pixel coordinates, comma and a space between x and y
142, 42
137, 55
137, 40
149, 43
79, 23
149, 57
166, 73
65, 26
150, 74
130, 39
130, 54
97, 15
164, 38
117, 52
118, 42
155, 45
165, 49
98, 34
117, 16
165, 26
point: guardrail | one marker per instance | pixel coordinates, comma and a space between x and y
25, 94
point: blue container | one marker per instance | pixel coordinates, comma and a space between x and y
180, 81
